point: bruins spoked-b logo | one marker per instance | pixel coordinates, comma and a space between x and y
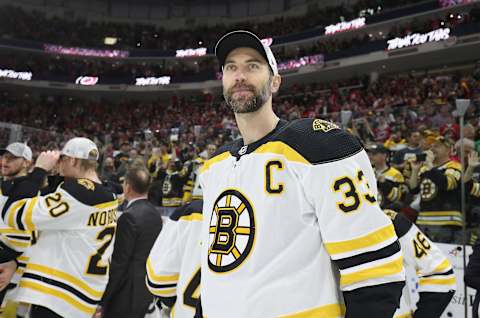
232, 231
428, 190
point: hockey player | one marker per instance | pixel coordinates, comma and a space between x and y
436, 280
173, 266
16, 159
68, 267
286, 203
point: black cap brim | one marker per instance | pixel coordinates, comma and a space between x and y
236, 39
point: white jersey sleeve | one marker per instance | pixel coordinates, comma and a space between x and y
358, 236
163, 263
173, 266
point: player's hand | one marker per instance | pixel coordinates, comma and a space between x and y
415, 165
473, 159
6, 273
98, 312
47, 160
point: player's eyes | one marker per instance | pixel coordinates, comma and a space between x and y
254, 66
229, 67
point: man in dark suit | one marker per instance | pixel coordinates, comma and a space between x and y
126, 294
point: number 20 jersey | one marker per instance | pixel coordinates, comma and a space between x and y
290, 222
67, 271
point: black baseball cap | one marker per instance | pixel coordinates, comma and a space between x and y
243, 38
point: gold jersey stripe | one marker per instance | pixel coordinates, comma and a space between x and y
15, 232
16, 243
443, 267
13, 212
53, 292
192, 217
214, 160
66, 277
29, 214
440, 213
24, 259
107, 205
328, 311
280, 148
160, 278
437, 281
381, 235
388, 269
164, 292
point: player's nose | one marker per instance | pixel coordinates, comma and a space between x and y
239, 75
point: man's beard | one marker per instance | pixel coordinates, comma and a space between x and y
12, 173
247, 104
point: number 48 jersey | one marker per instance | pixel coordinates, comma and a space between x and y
436, 279
291, 222
68, 267
173, 266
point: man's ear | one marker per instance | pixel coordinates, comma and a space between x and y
126, 188
26, 164
75, 162
276, 81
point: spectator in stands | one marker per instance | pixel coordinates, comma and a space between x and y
123, 155
109, 173
443, 117
412, 149
126, 294
390, 181
472, 183
174, 180
437, 181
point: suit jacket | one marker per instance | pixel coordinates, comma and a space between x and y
126, 294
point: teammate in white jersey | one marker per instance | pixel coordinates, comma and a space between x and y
291, 224
436, 280
173, 266
67, 271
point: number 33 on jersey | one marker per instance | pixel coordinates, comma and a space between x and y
279, 211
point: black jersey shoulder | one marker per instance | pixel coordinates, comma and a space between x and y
228, 147
21, 187
195, 206
317, 140
7, 186
53, 182
401, 224
88, 192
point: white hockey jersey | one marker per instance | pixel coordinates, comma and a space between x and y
173, 266
12, 238
291, 221
423, 257
67, 270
